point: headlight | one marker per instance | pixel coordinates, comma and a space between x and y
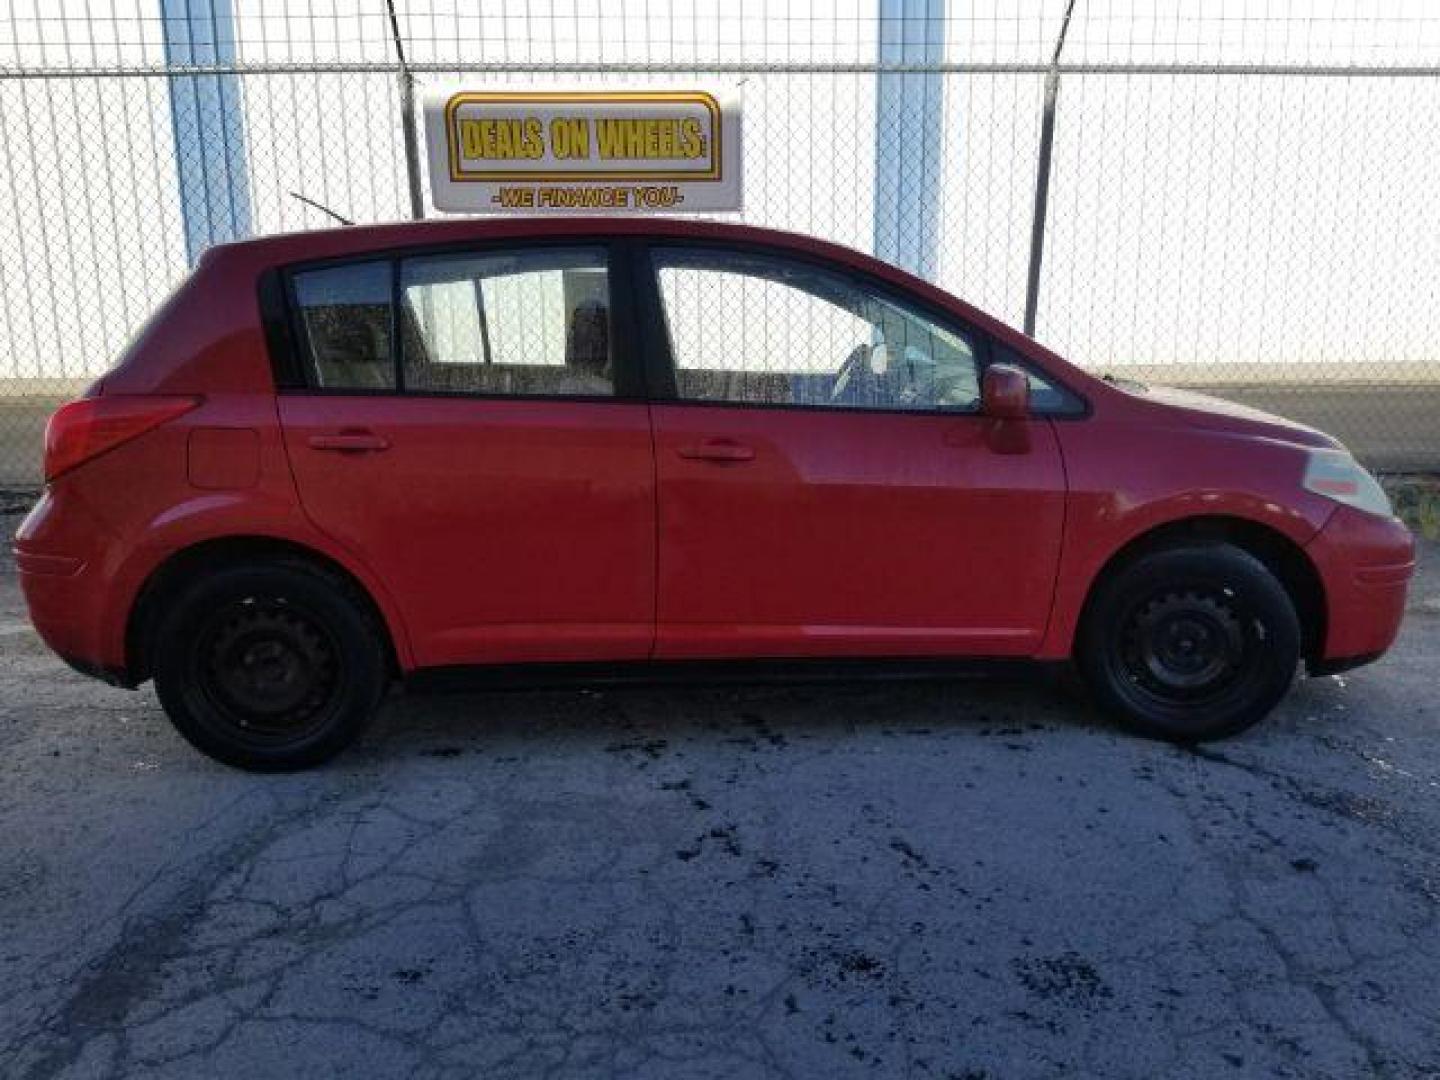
1336, 475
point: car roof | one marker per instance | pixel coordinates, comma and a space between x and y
339, 241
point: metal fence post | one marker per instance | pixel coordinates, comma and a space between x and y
407, 119
908, 134
1042, 176
206, 120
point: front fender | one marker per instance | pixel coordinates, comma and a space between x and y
1126, 482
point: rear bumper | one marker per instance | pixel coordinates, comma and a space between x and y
65, 611
61, 570
1365, 563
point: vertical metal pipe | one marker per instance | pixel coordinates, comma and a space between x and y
206, 120
407, 119
483, 318
1042, 201
1042, 176
909, 134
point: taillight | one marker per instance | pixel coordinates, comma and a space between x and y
87, 428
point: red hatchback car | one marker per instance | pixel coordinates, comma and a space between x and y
587, 449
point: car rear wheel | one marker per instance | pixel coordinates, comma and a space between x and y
269, 667
1190, 643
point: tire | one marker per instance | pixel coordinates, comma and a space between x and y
1189, 643
269, 666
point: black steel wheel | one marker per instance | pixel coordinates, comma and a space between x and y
1190, 643
269, 667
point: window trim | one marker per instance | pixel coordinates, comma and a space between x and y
292, 369
661, 379
1033, 370
275, 319
644, 369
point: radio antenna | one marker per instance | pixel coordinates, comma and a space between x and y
322, 208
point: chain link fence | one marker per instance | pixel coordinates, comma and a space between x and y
1241, 197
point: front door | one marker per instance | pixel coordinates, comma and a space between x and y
827, 485
472, 434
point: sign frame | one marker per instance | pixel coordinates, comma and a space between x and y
530, 173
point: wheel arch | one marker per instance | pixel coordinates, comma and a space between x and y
1280, 554
181, 567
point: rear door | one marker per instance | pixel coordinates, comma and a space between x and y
827, 484
471, 429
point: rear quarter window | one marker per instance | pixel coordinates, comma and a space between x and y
345, 325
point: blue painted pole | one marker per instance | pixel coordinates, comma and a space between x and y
205, 117
909, 128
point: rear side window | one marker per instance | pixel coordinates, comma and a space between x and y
526, 323
344, 315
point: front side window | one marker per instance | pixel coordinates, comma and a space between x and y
528, 322
762, 329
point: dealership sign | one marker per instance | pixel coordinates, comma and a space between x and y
532, 151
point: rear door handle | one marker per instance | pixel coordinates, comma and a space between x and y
352, 442
717, 450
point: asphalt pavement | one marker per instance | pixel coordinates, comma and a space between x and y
961, 880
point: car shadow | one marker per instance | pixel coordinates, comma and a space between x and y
449, 723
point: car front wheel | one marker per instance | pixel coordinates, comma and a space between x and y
1190, 643
270, 666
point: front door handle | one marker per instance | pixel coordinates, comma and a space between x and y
717, 450
350, 442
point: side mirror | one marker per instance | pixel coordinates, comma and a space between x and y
1005, 393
